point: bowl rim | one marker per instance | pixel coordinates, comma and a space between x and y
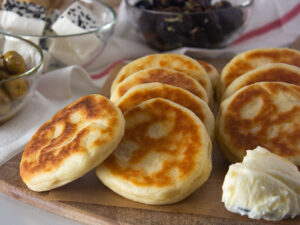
246, 4
104, 27
33, 69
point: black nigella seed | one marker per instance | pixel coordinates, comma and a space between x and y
244, 210
79, 21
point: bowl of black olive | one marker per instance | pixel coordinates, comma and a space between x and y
21, 63
171, 24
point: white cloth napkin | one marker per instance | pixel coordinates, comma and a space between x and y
58, 88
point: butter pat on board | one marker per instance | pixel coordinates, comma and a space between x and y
263, 186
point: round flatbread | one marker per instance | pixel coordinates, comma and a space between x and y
264, 114
143, 92
249, 60
178, 62
76, 140
161, 75
163, 157
211, 71
274, 72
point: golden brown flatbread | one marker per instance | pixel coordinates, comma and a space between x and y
177, 62
252, 59
211, 71
161, 75
77, 139
163, 157
274, 72
143, 92
265, 114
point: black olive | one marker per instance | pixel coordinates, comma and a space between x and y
171, 9
231, 20
166, 31
223, 5
179, 3
161, 3
144, 4
198, 37
187, 24
203, 4
209, 22
146, 23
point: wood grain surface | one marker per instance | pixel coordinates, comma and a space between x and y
87, 213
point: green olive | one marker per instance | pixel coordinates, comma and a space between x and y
16, 88
14, 62
5, 103
3, 75
2, 67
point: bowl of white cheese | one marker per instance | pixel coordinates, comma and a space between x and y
69, 32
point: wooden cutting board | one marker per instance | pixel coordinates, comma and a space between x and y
129, 212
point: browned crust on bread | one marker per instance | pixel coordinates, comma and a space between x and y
185, 161
174, 78
287, 56
238, 129
45, 153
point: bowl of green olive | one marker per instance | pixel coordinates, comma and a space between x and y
21, 63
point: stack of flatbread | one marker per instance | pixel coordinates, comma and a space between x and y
165, 153
260, 104
151, 142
